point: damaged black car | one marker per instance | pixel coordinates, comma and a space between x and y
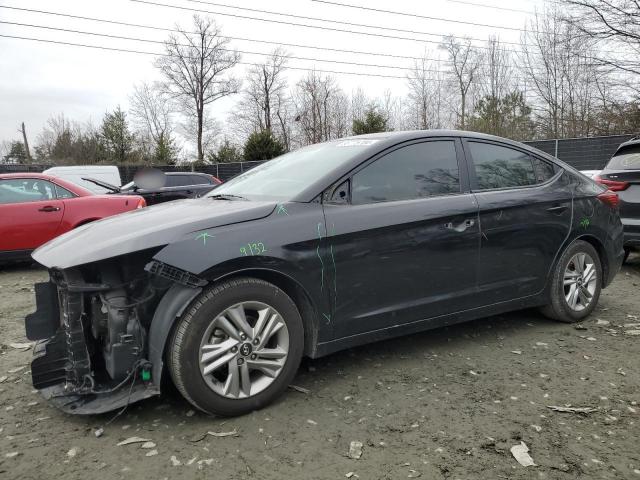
331, 246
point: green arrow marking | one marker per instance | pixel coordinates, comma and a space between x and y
281, 210
204, 237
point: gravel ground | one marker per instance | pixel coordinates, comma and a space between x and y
444, 404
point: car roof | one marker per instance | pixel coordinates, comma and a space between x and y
72, 187
630, 143
186, 173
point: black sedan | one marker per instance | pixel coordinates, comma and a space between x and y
622, 175
164, 187
331, 246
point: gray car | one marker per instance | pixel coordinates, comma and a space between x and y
622, 175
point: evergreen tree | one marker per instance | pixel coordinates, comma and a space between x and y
227, 153
262, 146
373, 122
509, 117
117, 138
17, 153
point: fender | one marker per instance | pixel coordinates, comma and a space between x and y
171, 306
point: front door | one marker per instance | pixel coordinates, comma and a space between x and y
403, 245
525, 218
30, 214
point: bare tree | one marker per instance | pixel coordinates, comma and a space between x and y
616, 23
429, 97
496, 73
152, 116
557, 63
264, 104
196, 68
465, 63
322, 109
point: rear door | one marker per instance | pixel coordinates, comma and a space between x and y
30, 213
404, 247
525, 217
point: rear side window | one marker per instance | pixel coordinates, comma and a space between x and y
178, 180
415, 171
544, 170
627, 159
501, 167
63, 193
199, 180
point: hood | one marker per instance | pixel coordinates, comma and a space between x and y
145, 228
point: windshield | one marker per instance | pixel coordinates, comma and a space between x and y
627, 159
286, 176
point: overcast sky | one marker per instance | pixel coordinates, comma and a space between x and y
38, 80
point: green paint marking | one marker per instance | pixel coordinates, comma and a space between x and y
320, 258
585, 222
328, 317
204, 237
252, 249
335, 275
281, 210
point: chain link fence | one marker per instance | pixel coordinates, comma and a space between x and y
590, 153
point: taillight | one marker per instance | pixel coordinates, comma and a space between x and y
612, 185
609, 198
141, 203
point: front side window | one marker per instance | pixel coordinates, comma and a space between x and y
501, 167
415, 171
23, 190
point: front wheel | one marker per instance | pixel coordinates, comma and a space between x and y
576, 284
237, 348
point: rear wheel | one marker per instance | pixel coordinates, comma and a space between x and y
237, 348
627, 252
576, 284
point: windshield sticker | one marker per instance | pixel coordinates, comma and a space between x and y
356, 143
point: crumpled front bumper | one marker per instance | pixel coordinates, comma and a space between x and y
61, 368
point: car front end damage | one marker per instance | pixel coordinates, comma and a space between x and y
97, 348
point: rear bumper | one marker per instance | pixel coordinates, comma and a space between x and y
631, 228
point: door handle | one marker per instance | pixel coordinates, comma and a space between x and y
49, 208
557, 209
469, 222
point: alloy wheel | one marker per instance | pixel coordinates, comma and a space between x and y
244, 349
580, 281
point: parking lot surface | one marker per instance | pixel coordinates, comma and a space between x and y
444, 404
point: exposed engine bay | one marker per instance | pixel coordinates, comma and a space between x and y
92, 327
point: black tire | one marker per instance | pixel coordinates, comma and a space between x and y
558, 307
627, 251
184, 346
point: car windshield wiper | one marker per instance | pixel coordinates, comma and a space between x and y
226, 196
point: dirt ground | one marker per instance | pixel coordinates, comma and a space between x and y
444, 404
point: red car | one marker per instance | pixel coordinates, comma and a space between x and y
34, 208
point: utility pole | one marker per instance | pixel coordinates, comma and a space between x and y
26, 143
